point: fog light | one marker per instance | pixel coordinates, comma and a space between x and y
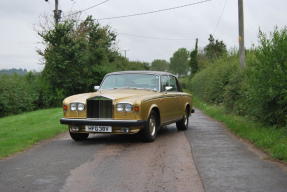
74, 128
125, 130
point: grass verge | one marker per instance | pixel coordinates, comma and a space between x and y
272, 140
18, 132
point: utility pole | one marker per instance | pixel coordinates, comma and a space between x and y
241, 34
57, 12
125, 51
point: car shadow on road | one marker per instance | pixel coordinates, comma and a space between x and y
164, 132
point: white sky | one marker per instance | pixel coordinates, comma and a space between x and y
19, 18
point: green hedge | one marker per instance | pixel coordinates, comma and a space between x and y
267, 79
20, 93
259, 90
210, 83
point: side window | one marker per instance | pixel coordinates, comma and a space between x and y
173, 84
164, 82
169, 81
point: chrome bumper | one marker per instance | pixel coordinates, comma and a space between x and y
103, 122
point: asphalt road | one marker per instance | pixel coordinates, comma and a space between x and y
204, 158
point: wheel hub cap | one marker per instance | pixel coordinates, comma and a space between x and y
152, 126
185, 120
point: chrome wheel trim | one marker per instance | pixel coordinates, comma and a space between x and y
185, 120
152, 126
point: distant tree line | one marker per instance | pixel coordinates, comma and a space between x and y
187, 63
13, 70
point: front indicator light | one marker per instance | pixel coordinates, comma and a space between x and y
65, 107
136, 108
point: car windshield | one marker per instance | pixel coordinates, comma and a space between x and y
132, 81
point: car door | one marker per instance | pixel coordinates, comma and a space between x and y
169, 108
175, 92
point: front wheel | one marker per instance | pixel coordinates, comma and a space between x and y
149, 132
183, 123
79, 136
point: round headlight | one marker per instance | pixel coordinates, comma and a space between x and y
73, 106
81, 106
120, 107
128, 107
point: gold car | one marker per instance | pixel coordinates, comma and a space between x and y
128, 102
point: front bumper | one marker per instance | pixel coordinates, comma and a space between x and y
104, 122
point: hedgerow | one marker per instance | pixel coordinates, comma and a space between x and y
259, 90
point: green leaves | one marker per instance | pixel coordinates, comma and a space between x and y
179, 62
259, 90
215, 49
193, 63
159, 65
18, 93
268, 80
75, 56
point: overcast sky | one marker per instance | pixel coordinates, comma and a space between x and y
147, 37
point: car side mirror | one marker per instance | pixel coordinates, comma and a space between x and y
167, 88
96, 88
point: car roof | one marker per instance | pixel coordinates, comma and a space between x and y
141, 72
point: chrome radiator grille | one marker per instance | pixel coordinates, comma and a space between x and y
99, 107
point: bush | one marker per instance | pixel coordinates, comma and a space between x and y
15, 95
259, 90
210, 83
185, 82
22, 93
267, 79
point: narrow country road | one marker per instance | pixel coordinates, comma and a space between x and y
204, 158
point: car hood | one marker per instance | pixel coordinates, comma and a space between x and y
117, 95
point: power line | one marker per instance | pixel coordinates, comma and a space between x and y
219, 19
91, 7
159, 38
154, 38
154, 11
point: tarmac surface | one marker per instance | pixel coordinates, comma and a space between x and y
226, 163
206, 157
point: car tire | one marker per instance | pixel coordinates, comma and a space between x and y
183, 123
149, 132
79, 136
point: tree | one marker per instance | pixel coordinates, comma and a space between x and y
179, 62
215, 48
193, 62
136, 65
267, 79
76, 56
159, 65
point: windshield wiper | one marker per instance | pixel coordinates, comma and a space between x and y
137, 88
141, 88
